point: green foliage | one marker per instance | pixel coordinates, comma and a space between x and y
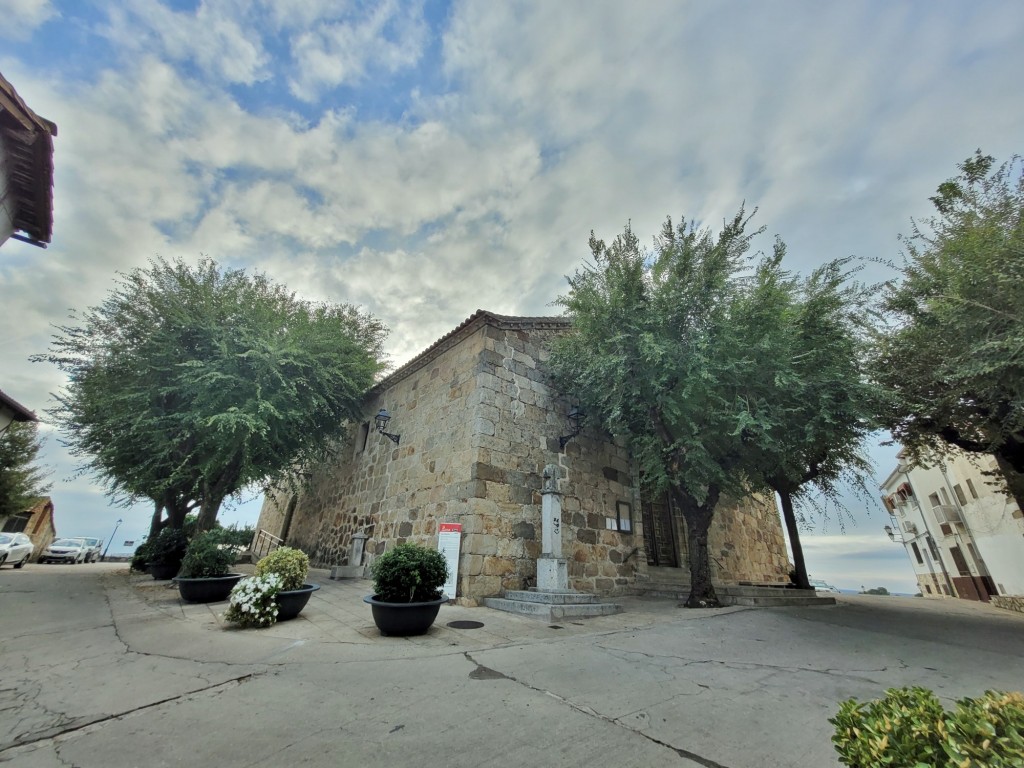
234, 536
656, 356
909, 728
167, 548
253, 601
952, 357
876, 591
188, 383
409, 573
140, 560
290, 564
205, 558
20, 482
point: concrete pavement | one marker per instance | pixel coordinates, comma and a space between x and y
105, 669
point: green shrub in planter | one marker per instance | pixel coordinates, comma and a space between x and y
908, 728
205, 559
292, 565
168, 548
409, 573
140, 560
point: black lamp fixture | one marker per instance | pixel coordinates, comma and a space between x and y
381, 420
575, 417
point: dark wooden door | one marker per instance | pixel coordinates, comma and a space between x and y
659, 533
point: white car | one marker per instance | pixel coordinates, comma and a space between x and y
820, 585
65, 551
15, 549
93, 549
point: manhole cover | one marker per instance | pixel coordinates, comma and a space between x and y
465, 624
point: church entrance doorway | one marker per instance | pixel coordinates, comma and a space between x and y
659, 531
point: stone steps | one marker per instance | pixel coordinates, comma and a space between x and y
554, 598
552, 606
778, 600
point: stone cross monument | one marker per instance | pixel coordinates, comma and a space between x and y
552, 570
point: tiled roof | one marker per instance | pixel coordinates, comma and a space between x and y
466, 328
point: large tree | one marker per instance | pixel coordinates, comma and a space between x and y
21, 480
808, 338
189, 383
654, 356
952, 358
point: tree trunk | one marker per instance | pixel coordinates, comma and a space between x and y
698, 520
156, 523
177, 509
208, 509
1011, 463
794, 539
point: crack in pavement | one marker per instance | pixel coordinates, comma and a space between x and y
490, 674
625, 655
91, 725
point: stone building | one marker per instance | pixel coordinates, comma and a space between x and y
478, 421
36, 522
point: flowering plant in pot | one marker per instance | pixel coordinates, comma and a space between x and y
291, 566
205, 570
165, 552
254, 601
407, 582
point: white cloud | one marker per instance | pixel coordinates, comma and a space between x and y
21, 17
217, 37
387, 37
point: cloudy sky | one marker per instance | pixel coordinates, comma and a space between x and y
425, 159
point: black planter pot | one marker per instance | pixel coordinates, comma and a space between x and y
291, 602
164, 571
404, 619
211, 589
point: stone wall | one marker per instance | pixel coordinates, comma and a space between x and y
746, 542
1009, 602
393, 493
516, 435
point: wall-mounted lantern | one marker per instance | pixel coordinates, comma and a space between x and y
575, 417
381, 420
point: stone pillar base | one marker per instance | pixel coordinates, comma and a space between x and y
552, 574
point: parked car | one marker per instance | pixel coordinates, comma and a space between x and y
94, 549
65, 551
820, 585
15, 549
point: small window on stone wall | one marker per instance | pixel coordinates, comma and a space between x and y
624, 516
362, 437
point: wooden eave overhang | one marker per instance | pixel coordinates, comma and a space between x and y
464, 330
21, 413
28, 139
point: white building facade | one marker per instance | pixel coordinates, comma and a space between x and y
963, 534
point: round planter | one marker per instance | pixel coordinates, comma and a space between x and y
292, 601
404, 619
211, 589
164, 571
